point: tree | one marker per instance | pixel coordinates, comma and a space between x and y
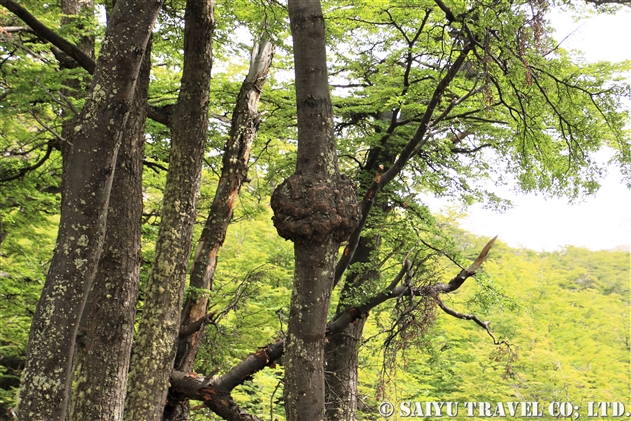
48, 369
427, 97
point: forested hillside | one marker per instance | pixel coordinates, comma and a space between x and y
565, 315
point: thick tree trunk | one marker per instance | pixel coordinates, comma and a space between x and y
155, 345
48, 372
342, 348
245, 120
342, 352
316, 208
102, 365
72, 9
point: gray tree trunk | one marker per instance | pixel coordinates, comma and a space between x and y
156, 341
245, 120
317, 209
48, 373
71, 9
102, 362
342, 349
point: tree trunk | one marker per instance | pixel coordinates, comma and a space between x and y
342, 349
102, 365
48, 373
155, 345
72, 9
245, 120
317, 209
341, 378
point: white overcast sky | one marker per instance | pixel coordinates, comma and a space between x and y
599, 223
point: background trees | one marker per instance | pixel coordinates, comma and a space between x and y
427, 97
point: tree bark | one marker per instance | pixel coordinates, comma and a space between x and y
102, 365
342, 348
72, 9
245, 121
48, 372
316, 208
155, 345
216, 392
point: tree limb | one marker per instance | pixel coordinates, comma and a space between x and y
216, 392
159, 114
414, 144
43, 31
23, 171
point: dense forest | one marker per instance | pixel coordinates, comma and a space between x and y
565, 315
215, 209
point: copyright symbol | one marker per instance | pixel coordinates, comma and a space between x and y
386, 409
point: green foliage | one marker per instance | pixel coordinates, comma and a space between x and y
567, 325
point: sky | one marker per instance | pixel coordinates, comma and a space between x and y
601, 222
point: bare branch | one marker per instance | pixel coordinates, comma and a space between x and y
473, 317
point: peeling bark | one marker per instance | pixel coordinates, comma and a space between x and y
245, 121
155, 344
48, 372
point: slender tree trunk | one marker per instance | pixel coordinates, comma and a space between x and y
341, 376
155, 345
48, 372
317, 209
245, 120
102, 366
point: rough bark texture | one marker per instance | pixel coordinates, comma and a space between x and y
308, 208
72, 9
155, 345
215, 392
102, 365
245, 120
342, 348
48, 372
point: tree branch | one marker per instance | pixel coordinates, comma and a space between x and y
413, 145
159, 114
43, 31
23, 171
216, 392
